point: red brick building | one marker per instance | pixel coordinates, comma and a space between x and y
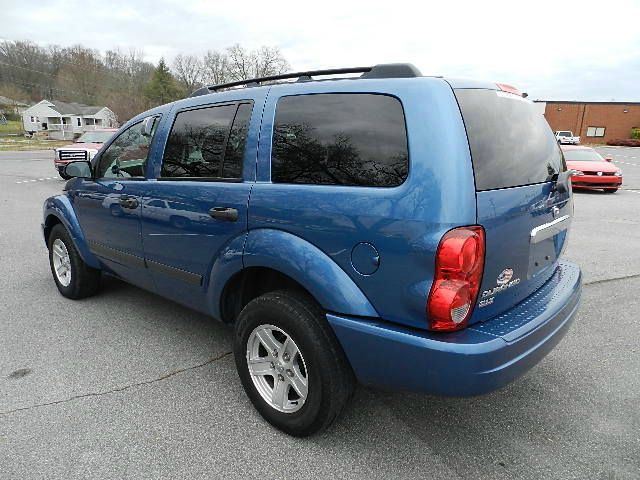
594, 122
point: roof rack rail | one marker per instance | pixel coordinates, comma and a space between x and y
384, 70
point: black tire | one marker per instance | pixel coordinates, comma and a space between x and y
610, 190
330, 378
85, 281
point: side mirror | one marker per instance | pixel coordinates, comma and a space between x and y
147, 126
608, 159
80, 169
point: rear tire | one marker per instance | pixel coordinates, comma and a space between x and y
299, 324
74, 278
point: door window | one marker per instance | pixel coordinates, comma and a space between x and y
207, 143
127, 156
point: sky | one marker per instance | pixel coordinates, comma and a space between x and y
553, 50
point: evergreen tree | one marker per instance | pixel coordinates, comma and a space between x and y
162, 87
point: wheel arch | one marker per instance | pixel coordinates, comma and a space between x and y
274, 260
58, 210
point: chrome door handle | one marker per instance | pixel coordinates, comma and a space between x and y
224, 213
128, 202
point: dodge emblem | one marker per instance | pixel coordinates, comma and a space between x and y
505, 276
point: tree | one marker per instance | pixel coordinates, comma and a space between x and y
162, 87
269, 61
189, 71
264, 62
215, 68
81, 74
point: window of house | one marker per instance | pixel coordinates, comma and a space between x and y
33, 119
79, 122
208, 142
595, 131
340, 139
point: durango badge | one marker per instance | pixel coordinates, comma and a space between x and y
505, 280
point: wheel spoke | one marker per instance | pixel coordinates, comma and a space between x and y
280, 390
260, 366
58, 251
299, 383
288, 348
268, 341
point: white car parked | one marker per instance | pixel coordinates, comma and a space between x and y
565, 137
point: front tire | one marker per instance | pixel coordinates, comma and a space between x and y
610, 190
290, 363
74, 278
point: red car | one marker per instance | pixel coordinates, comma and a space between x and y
84, 148
591, 170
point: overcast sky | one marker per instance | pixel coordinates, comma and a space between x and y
552, 50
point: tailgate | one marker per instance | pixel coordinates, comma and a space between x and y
516, 162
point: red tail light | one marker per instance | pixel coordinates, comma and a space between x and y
459, 266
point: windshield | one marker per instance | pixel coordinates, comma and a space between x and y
582, 156
94, 137
565, 134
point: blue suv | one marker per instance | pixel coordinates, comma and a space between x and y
389, 228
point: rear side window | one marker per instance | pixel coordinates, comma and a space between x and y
207, 143
511, 143
340, 139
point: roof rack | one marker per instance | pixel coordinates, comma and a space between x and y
384, 70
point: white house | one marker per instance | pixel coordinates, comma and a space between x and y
63, 120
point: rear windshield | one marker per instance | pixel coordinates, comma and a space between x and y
510, 141
564, 134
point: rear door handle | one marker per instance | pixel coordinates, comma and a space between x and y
224, 213
128, 202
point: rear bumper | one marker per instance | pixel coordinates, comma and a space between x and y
473, 361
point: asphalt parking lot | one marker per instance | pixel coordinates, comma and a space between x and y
129, 385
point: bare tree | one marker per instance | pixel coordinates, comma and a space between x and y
188, 70
239, 63
119, 79
263, 62
215, 68
269, 61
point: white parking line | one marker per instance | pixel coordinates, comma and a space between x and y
37, 180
